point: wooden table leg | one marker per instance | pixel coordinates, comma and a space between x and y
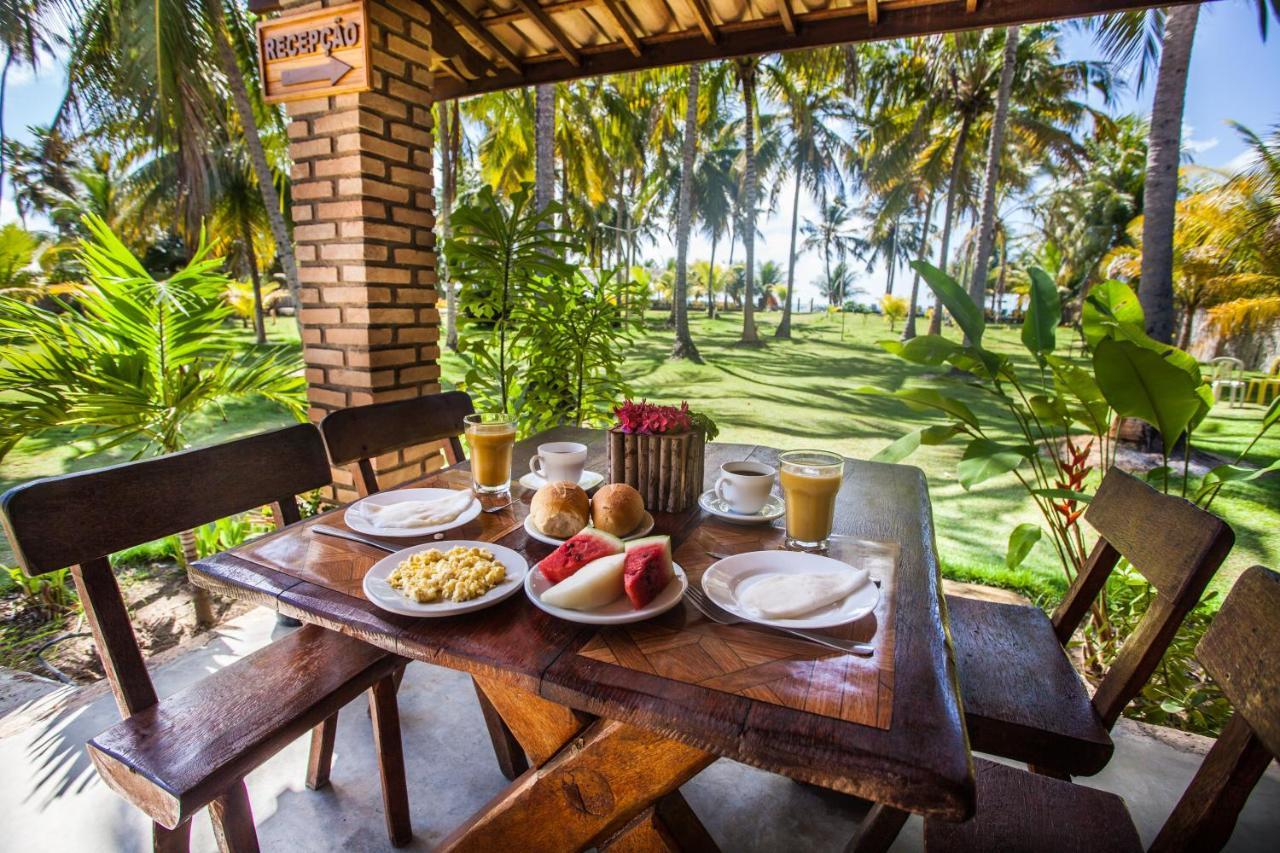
668, 826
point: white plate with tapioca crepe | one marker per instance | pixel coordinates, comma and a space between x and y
380, 592
791, 589
404, 513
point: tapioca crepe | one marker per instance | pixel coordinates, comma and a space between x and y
418, 513
785, 596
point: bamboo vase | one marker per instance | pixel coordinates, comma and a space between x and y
665, 469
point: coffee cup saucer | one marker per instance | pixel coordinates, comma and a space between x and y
773, 508
588, 481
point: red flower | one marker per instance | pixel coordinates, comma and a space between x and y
652, 419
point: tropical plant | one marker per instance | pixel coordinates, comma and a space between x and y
746, 70
18, 252
136, 361
1062, 416
497, 251
684, 346
24, 36
894, 309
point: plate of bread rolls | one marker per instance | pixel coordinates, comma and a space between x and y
562, 510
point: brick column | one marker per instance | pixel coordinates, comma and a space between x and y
364, 214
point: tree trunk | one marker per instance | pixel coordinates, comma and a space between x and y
201, 602
957, 160
711, 279
544, 132
257, 155
784, 328
893, 259
909, 328
4, 84
1160, 193
684, 347
748, 73
450, 142
1000, 285
987, 228
1188, 321
251, 261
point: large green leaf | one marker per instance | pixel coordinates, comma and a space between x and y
984, 459
905, 446
1093, 410
1138, 383
925, 349
1238, 473
1111, 307
1021, 541
1044, 313
955, 299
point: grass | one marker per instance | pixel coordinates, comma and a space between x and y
803, 393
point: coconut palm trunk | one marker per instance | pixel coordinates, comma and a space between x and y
747, 71
711, 279
893, 258
251, 261
450, 142
909, 328
953, 190
544, 131
4, 87
257, 154
784, 327
684, 346
987, 228
1160, 193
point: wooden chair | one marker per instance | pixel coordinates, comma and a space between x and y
360, 434
1241, 651
1022, 697
171, 757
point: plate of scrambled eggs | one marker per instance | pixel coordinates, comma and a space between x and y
445, 578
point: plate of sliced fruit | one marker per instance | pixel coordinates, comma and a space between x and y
597, 579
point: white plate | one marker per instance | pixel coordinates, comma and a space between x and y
723, 580
378, 591
588, 481
618, 612
359, 522
773, 508
645, 528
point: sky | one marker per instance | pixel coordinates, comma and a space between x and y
1234, 76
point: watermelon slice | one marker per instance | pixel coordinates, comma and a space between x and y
574, 553
648, 569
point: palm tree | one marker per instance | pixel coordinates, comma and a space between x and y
238, 211
831, 234
449, 129
1160, 38
544, 132
807, 84
746, 70
770, 278
136, 362
684, 347
715, 184
22, 35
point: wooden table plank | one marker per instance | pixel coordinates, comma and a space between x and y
910, 752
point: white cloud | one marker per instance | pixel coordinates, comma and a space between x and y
1194, 146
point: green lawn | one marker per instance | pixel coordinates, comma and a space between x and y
802, 394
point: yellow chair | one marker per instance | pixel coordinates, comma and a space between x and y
1260, 390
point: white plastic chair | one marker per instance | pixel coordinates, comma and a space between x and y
1228, 375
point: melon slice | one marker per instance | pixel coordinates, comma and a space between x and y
648, 569
574, 553
594, 585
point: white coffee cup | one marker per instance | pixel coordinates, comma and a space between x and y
745, 486
559, 460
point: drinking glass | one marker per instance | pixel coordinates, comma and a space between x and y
491, 436
810, 481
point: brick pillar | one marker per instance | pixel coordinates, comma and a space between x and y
364, 214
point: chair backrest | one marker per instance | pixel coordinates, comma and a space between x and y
1241, 650
1274, 368
78, 520
1226, 367
362, 433
1172, 543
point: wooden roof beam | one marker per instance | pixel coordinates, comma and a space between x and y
552, 30
971, 6
624, 28
703, 16
480, 31
788, 19
873, 11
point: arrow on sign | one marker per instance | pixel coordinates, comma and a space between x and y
333, 70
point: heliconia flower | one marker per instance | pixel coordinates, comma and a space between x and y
651, 418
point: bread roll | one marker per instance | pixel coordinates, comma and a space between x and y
560, 509
617, 508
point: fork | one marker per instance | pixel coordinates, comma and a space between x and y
717, 614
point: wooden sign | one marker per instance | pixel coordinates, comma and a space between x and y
314, 54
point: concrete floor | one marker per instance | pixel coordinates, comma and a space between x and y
52, 800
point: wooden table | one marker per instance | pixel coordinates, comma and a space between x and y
614, 720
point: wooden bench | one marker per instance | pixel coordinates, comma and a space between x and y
1241, 651
171, 757
358, 435
1022, 697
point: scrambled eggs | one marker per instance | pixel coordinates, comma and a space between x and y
459, 574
